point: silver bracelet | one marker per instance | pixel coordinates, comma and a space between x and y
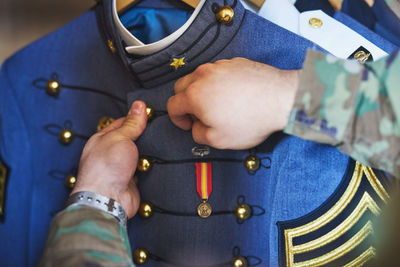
100, 202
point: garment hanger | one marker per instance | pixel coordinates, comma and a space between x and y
122, 4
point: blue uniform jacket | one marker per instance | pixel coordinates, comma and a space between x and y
304, 202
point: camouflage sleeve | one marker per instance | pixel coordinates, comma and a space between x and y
352, 106
85, 236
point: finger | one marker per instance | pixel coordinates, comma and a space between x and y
135, 122
201, 133
179, 111
135, 179
114, 125
183, 83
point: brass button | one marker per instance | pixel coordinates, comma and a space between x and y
111, 46
225, 14
252, 163
144, 164
70, 181
315, 23
66, 137
140, 256
243, 211
146, 210
53, 87
240, 262
149, 112
104, 122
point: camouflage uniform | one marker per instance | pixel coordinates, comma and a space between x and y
351, 106
85, 236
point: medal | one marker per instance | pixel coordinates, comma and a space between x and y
204, 187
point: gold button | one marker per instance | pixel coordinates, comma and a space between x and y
243, 211
252, 163
66, 137
144, 164
145, 210
70, 181
104, 122
315, 23
53, 87
111, 45
140, 256
149, 112
240, 262
225, 14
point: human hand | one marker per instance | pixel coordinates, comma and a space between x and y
233, 104
109, 160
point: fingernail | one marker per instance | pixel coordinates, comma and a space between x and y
136, 108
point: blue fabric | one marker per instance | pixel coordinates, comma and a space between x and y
360, 11
151, 25
299, 177
380, 18
388, 24
382, 30
373, 37
306, 5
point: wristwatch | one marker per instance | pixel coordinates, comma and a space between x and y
100, 202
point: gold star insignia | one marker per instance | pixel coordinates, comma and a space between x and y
111, 46
178, 62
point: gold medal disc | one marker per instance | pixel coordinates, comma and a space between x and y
204, 210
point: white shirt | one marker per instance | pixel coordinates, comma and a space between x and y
135, 46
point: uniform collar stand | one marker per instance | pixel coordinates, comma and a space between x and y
202, 40
136, 47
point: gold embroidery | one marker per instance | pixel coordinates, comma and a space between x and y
325, 218
341, 250
365, 203
376, 184
363, 258
3, 176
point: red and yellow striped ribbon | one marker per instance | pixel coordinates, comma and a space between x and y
204, 179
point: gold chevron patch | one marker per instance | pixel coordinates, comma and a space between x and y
366, 203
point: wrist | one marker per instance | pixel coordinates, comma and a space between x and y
291, 81
101, 190
100, 202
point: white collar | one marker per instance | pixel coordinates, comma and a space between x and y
282, 13
135, 46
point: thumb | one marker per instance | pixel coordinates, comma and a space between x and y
135, 122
